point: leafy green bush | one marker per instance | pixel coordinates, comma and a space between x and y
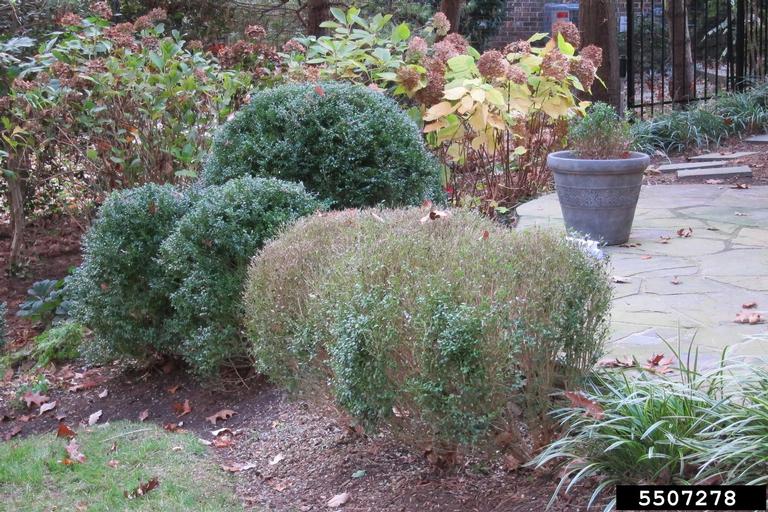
205, 260
601, 134
346, 143
58, 343
118, 291
431, 328
46, 302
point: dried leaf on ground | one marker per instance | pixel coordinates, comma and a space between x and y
579, 399
46, 407
616, 362
174, 427
741, 186
685, 232
113, 463
338, 500
142, 489
65, 431
222, 442
621, 279
237, 467
15, 430
675, 280
182, 409
173, 389
749, 305
73, 450
34, 399
713, 182
222, 415
646, 257
143, 415
94, 418
511, 463
104, 393
748, 317
658, 364
276, 459
435, 215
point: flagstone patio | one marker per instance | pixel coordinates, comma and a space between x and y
686, 289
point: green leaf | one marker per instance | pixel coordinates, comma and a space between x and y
460, 63
339, 15
360, 473
186, 173
401, 33
537, 37
564, 46
92, 154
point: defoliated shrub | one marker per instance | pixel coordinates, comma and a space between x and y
117, 292
350, 145
205, 260
429, 329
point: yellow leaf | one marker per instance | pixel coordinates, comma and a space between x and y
495, 97
465, 105
455, 93
431, 127
437, 111
478, 95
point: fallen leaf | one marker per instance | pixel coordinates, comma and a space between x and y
94, 418
675, 280
378, 217
142, 489
646, 257
34, 399
748, 317
658, 364
579, 399
713, 229
319, 90
222, 442
173, 389
485, 235
223, 415
113, 463
177, 448
182, 409
511, 463
276, 459
685, 232
664, 239
740, 214
435, 215
427, 203
360, 473
741, 186
73, 450
25, 418
220, 431
621, 279
749, 305
46, 407
15, 430
615, 362
143, 415
104, 393
170, 365
84, 386
113, 448
173, 427
237, 467
713, 182
338, 500
8, 375
65, 431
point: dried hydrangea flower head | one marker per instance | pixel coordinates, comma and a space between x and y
441, 24
443, 50
585, 71
569, 31
433, 92
520, 46
417, 48
457, 41
102, 10
409, 77
516, 74
593, 53
492, 64
555, 65
255, 32
293, 46
70, 19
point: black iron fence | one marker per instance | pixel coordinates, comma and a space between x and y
728, 50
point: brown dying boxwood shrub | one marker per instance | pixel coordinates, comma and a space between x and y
432, 330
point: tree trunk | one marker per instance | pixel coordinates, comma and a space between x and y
318, 12
16, 202
599, 26
682, 90
452, 11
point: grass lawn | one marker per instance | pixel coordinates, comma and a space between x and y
118, 457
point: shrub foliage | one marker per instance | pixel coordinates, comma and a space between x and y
205, 260
431, 329
118, 290
348, 144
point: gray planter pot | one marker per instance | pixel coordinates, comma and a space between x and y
598, 197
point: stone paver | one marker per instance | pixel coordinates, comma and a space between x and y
723, 156
685, 291
715, 172
691, 165
757, 139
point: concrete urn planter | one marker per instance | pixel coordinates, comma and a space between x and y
598, 197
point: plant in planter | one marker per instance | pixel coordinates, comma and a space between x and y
598, 181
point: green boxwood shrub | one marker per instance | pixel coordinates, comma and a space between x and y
432, 329
117, 292
59, 343
205, 260
350, 145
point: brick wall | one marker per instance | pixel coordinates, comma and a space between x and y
524, 18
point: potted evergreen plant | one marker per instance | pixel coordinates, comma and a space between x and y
598, 181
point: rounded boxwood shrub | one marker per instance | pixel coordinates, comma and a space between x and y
117, 292
205, 260
350, 145
433, 329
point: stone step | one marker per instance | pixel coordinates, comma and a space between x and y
723, 156
691, 165
716, 172
758, 139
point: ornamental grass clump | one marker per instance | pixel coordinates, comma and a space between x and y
348, 144
600, 135
441, 331
204, 260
